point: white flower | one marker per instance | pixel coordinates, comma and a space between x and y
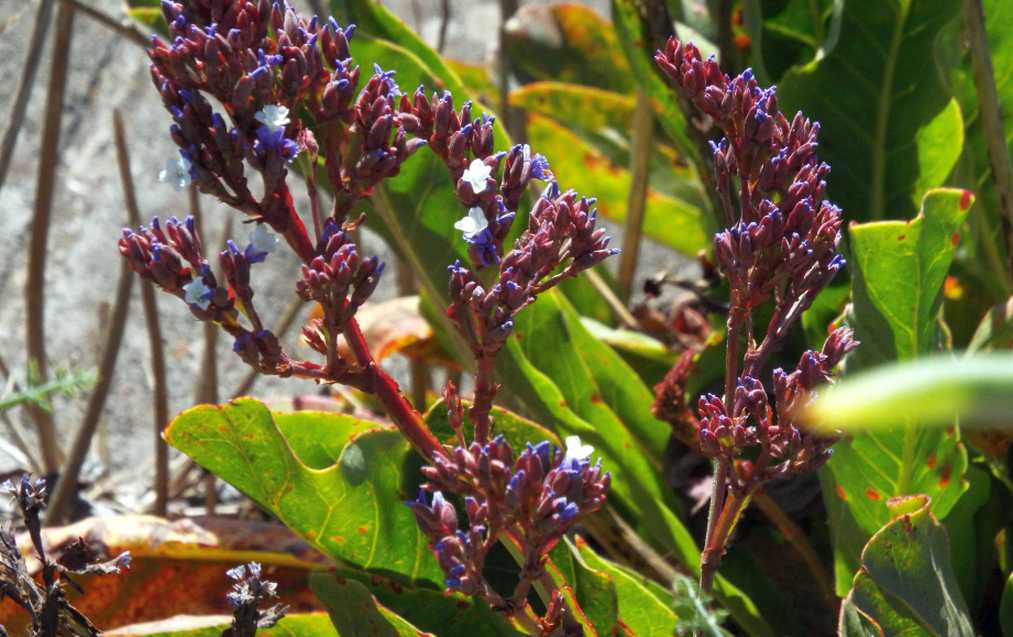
473, 224
273, 116
576, 450
176, 172
263, 240
476, 174
196, 293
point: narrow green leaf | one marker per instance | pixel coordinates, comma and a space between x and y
872, 131
929, 392
351, 509
906, 583
1006, 608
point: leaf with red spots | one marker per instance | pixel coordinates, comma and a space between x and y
906, 583
896, 294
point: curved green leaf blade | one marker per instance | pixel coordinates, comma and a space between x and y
354, 610
875, 94
642, 609
931, 392
906, 583
438, 612
351, 510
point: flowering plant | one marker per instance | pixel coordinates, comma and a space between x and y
264, 62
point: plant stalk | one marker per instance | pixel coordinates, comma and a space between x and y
26, 83
49, 160
160, 398
990, 110
640, 158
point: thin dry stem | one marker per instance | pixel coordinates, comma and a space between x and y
49, 159
160, 398
640, 158
29, 68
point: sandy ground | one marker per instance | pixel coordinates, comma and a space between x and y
108, 73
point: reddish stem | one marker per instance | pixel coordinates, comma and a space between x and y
407, 419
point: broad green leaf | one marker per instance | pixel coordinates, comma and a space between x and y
874, 94
787, 33
899, 270
906, 584
340, 483
354, 611
975, 391
434, 611
295, 625
898, 273
567, 43
669, 221
642, 609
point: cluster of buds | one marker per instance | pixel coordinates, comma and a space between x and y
781, 248
249, 592
782, 245
782, 448
535, 497
46, 601
262, 62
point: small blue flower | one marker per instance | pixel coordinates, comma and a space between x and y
274, 141
197, 293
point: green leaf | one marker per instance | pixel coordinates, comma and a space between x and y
354, 610
899, 270
567, 43
643, 609
931, 392
874, 94
435, 611
670, 221
1006, 608
906, 583
898, 273
648, 356
295, 625
338, 482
